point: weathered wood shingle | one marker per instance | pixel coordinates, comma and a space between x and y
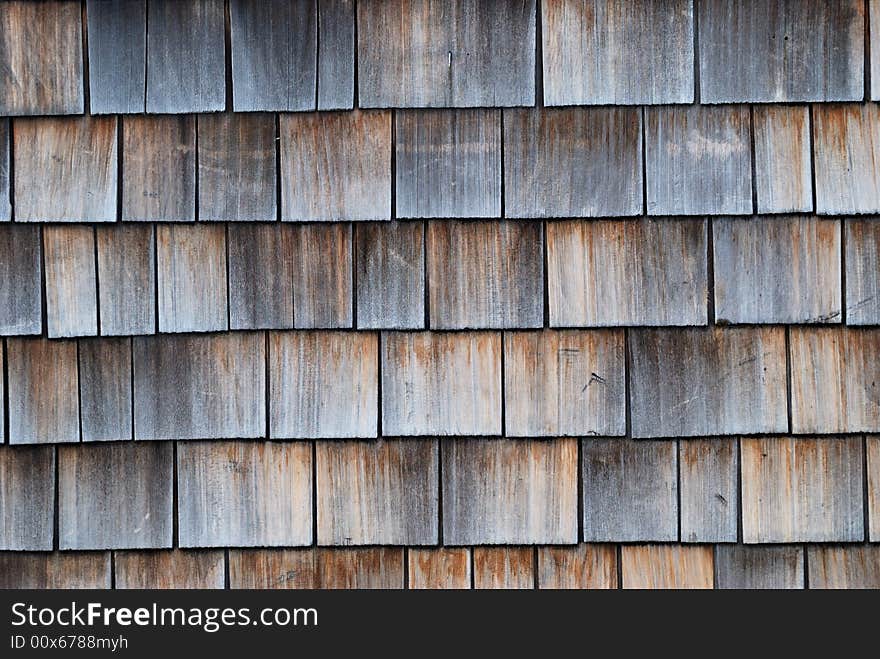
667, 566
71, 283
21, 274
504, 568
440, 567
5, 156
709, 494
105, 389
584, 566
764, 567
117, 36
127, 279
322, 282
862, 240
783, 168
844, 566
27, 498
47, 570
169, 569
872, 445
336, 59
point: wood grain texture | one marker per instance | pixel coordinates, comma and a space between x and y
709, 495
630, 491
783, 169
441, 383
71, 284
874, 29
2, 391
379, 567
627, 272
777, 269
323, 384
199, 387
43, 391
844, 566
27, 498
336, 59
802, 489
581, 567
191, 277
570, 383
698, 160
186, 56
5, 157
377, 493
105, 389
65, 169
244, 494
504, 568
766, 567
261, 272
127, 277
862, 240
274, 54
597, 52
667, 566
176, 568
485, 274
21, 275
390, 275
788, 51
115, 496
49, 570
873, 454
424, 53
159, 161
834, 380
336, 166
439, 568
322, 281
575, 162
498, 491
448, 163
704, 382
41, 51
117, 36
236, 167
846, 148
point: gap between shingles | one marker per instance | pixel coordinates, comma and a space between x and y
87, 100
227, 55
4, 374
175, 522
696, 24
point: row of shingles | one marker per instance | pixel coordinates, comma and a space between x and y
581, 567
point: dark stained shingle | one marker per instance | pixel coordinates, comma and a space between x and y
709, 494
105, 389
27, 497
769, 567
117, 36
127, 279
336, 58
21, 274
667, 566
584, 566
783, 171
439, 567
49, 570
169, 569
322, 282
862, 240
504, 568
844, 566
71, 284
5, 152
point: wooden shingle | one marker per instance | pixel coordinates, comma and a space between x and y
874, 29
499, 491
627, 272
65, 169
783, 171
630, 491
105, 389
698, 160
261, 270
448, 163
336, 166
47, 570
191, 277
846, 147
378, 492
485, 274
835, 379
236, 167
117, 36
244, 494
844, 566
709, 493
43, 391
781, 52
71, 284
704, 382
768, 567
440, 567
584, 566
431, 53
5, 155
159, 162
390, 275
186, 69
506, 568
323, 384
41, 50
569, 383
127, 279
336, 59
862, 240
777, 270
441, 383
597, 52
198, 387
274, 54
572, 162
802, 489
115, 496
27, 498
667, 566
169, 569
21, 275
873, 462
322, 281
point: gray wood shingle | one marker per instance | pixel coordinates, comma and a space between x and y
127, 279
667, 566
322, 281
27, 498
844, 566
336, 59
105, 389
44, 570
872, 446
5, 154
584, 566
862, 240
783, 168
169, 569
769, 567
874, 29
709, 494
21, 274
117, 36
71, 280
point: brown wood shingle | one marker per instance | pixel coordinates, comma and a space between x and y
783, 169
505, 568
440, 567
50, 570
873, 464
127, 279
667, 566
71, 283
862, 240
844, 566
322, 282
584, 566
169, 569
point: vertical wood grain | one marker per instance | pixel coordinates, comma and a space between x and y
504, 568
117, 36
439, 567
71, 284
5, 157
21, 275
667, 566
51, 570
873, 447
862, 240
126, 273
783, 168
764, 567
27, 498
175, 568
105, 389
709, 496
336, 59
322, 282
584, 566
841, 566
